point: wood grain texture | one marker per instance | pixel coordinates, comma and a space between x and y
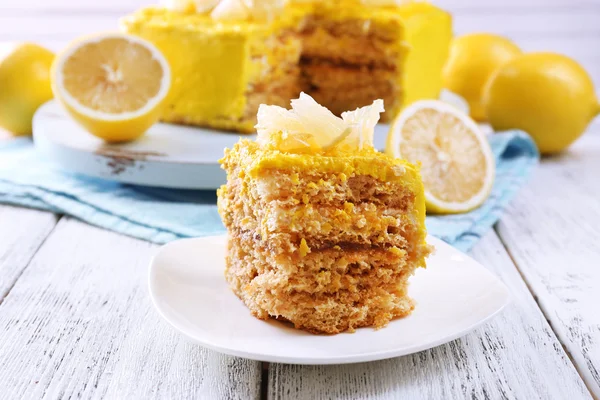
79, 324
515, 356
22, 231
552, 231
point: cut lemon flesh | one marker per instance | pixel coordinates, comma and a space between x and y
112, 84
457, 165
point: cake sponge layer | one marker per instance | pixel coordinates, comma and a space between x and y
330, 291
351, 42
322, 224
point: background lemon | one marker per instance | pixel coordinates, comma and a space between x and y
24, 84
473, 58
547, 95
113, 84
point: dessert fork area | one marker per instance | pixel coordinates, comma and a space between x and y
76, 319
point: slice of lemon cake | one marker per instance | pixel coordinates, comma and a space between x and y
324, 231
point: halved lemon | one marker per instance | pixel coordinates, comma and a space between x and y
456, 160
113, 84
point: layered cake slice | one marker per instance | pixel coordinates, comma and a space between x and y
323, 230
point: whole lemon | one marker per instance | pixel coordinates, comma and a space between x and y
549, 96
24, 84
472, 60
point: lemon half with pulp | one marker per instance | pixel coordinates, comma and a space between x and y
457, 164
113, 84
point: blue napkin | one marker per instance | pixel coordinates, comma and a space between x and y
516, 156
163, 215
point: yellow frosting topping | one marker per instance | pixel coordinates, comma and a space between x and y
257, 159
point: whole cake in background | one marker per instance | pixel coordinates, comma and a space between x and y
323, 230
227, 57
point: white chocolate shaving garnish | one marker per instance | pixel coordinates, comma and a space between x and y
239, 10
339, 139
379, 3
203, 6
199, 6
317, 119
178, 5
308, 126
365, 119
265, 9
398, 170
273, 119
231, 10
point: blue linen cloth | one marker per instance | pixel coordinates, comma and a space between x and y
162, 215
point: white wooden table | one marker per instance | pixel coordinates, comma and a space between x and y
76, 320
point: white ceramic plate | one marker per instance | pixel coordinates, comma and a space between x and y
454, 295
168, 155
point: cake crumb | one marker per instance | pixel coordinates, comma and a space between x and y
398, 170
304, 249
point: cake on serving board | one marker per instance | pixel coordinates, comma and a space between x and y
345, 53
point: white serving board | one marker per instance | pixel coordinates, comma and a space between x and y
168, 155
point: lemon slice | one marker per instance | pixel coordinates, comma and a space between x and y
457, 164
112, 84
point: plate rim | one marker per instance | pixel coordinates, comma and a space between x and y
330, 360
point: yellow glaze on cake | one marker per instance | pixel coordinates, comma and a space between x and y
222, 71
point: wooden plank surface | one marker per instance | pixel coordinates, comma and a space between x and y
552, 231
79, 324
22, 232
515, 356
